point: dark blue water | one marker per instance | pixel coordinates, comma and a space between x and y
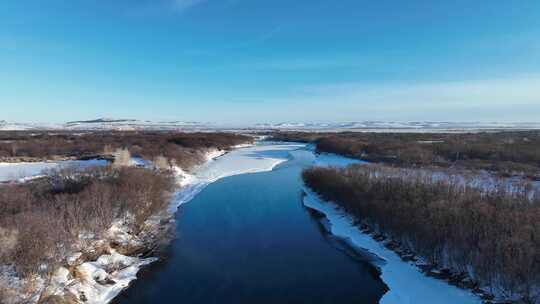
248, 239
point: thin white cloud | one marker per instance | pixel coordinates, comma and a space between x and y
514, 99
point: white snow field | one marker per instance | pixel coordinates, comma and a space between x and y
24, 171
363, 126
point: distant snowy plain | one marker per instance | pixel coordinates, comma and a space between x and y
364, 126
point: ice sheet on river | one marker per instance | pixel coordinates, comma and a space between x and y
257, 158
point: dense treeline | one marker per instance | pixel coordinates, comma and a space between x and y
507, 153
493, 236
42, 220
185, 149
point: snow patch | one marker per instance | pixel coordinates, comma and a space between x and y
102, 280
334, 160
137, 162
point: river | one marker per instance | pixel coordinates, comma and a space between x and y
249, 239
248, 232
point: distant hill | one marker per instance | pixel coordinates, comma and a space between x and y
130, 124
100, 120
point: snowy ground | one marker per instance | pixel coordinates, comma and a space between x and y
333, 160
363, 126
24, 171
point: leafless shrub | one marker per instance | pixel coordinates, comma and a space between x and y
161, 163
184, 148
57, 210
8, 239
108, 149
122, 158
447, 221
41, 219
506, 153
9, 296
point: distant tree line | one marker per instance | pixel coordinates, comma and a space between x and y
506, 153
185, 149
493, 236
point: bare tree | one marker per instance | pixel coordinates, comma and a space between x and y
162, 163
122, 158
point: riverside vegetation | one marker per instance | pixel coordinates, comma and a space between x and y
182, 148
491, 236
45, 220
435, 209
502, 153
41, 220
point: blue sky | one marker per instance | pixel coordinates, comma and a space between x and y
246, 61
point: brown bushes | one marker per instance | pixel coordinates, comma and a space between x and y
506, 153
8, 239
44, 218
449, 223
186, 149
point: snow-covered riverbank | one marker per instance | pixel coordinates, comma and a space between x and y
112, 272
99, 280
406, 283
